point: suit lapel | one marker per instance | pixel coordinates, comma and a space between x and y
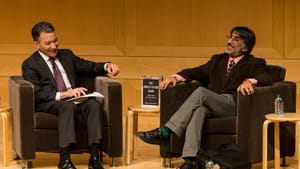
43, 65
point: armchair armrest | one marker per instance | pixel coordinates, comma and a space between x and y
21, 99
112, 91
251, 112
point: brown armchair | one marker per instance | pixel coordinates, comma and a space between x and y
245, 128
37, 131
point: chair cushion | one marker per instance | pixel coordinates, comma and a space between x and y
220, 125
44, 120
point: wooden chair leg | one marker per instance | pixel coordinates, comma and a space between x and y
28, 164
113, 162
167, 163
283, 164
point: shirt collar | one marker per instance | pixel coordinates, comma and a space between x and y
236, 59
45, 57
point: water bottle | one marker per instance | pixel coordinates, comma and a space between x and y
279, 106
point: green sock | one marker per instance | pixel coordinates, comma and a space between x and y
165, 132
189, 161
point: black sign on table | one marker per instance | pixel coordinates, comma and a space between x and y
150, 91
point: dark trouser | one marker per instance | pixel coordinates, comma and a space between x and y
92, 112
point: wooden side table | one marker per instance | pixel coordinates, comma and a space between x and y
6, 131
132, 127
276, 119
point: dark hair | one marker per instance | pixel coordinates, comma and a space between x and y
41, 27
247, 35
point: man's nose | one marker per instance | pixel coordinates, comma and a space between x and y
53, 45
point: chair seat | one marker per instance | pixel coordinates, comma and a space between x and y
224, 125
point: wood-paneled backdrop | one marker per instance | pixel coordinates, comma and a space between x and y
150, 37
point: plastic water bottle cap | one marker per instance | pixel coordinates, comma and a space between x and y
278, 95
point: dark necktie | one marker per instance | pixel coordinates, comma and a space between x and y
58, 77
230, 66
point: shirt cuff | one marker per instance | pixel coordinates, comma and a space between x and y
105, 66
57, 96
178, 77
253, 81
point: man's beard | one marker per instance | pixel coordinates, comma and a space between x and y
234, 54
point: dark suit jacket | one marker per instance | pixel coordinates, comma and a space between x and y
36, 70
213, 73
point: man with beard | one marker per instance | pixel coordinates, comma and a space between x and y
235, 70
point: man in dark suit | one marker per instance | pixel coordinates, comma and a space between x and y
224, 74
54, 72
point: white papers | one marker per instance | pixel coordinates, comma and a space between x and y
82, 98
94, 94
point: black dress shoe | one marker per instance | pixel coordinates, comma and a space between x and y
67, 164
95, 163
153, 137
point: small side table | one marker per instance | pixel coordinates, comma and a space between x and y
132, 127
276, 119
6, 131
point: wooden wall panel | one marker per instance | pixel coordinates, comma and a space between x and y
292, 41
11, 64
77, 22
157, 37
93, 29
292, 29
4, 90
197, 28
131, 92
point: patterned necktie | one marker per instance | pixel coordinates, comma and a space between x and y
230, 66
58, 77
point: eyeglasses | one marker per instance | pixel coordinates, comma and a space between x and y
233, 39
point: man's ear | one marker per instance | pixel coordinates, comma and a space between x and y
37, 45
